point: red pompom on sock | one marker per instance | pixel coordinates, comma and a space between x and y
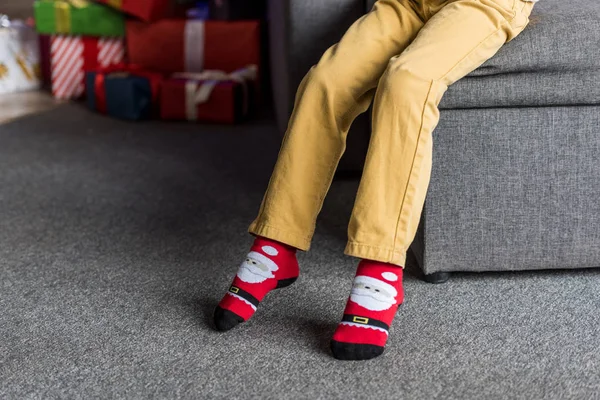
376, 294
269, 265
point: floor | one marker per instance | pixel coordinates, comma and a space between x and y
16, 105
118, 239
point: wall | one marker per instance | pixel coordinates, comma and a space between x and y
16, 8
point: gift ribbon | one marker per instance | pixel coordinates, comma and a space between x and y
115, 3
199, 92
25, 68
78, 3
131, 69
195, 32
62, 13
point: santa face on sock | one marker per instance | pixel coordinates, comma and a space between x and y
374, 294
257, 267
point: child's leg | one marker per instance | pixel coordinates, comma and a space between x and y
333, 93
455, 41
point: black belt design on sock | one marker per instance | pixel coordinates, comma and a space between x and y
365, 321
244, 295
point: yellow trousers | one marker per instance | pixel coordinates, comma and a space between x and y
402, 55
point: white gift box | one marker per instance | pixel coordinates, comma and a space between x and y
19, 57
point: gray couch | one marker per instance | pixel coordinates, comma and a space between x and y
516, 176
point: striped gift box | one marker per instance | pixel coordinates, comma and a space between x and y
71, 56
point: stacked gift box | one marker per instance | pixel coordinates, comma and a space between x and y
19, 58
77, 35
174, 59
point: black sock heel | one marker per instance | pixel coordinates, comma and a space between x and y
285, 282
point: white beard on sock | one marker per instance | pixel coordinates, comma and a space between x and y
371, 299
250, 273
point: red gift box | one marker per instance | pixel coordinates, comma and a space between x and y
172, 46
211, 96
148, 10
70, 56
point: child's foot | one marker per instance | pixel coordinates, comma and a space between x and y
269, 265
376, 294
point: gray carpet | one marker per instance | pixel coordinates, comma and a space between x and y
117, 240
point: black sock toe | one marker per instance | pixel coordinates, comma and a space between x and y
355, 351
225, 319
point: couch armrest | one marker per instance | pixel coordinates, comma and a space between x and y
300, 31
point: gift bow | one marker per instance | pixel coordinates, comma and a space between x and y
199, 93
62, 13
115, 3
74, 3
154, 78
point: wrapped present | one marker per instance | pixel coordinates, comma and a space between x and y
194, 46
231, 10
77, 17
210, 96
71, 56
19, 57
124, 91
147, 10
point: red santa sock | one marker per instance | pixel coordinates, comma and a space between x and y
269, 265
376, 294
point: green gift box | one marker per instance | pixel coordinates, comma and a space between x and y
78, 17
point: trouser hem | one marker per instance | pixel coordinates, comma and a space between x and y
376, 253
294, 239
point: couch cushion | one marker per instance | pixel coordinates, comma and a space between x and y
555, 61
562, 36
527, 89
